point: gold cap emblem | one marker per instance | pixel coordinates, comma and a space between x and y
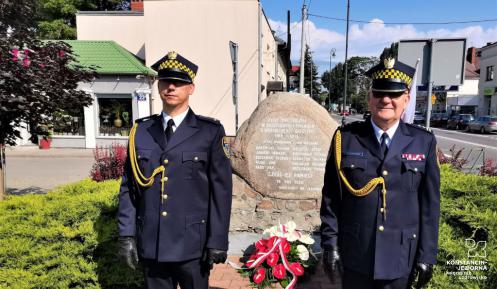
389, 63
172, 55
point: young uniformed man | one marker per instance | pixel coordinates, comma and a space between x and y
175, 196
381, 195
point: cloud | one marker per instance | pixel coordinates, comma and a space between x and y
369, 39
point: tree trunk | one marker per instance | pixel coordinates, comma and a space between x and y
2, 172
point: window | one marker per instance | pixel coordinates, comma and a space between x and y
69, 122
490, 73
115, 115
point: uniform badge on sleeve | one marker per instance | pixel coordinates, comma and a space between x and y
226, 143
413, 157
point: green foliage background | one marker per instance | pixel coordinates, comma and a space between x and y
67, 238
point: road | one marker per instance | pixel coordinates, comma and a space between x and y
31, 170
475, 146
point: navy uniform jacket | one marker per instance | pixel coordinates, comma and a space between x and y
368, 244
196, 212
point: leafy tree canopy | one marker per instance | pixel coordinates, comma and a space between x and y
357, 84
37, 78
57, 18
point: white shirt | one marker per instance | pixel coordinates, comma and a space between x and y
390, 132
177, 119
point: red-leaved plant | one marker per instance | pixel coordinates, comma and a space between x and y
109, 162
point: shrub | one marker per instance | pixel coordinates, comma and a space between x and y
64, 239
489, 168
109, 162
468, 210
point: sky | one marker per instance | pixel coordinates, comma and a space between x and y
369, 39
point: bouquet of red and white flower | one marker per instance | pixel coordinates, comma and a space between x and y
282, 256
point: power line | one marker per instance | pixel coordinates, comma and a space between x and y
406, 23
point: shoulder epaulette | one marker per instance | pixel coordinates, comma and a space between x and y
140, 120
209, 119
351, 125
420, 127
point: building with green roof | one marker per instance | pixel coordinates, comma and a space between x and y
121, 95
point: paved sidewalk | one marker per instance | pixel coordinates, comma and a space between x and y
31, 170
223, 276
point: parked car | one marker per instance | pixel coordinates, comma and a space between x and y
366, 115
419, 118
460, 121
345, 113
439, 119
484, 124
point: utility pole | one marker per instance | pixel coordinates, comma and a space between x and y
346, 71
302, 51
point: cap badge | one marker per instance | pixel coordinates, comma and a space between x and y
172, 55
389, 63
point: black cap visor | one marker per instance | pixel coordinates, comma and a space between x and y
174, 74
389, 85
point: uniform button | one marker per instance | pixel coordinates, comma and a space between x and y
415, 169
385, 173
352, 166
381, 228
382, 210
139, 156
414, 236
165, 179
164, 213
203, 221
166, 161
195, 158
164, 197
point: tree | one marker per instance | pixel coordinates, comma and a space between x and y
57, 18
357, 84
310, 75
37, 79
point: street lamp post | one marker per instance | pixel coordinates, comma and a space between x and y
332, 54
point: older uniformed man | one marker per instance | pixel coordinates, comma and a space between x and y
381, 195
175, 196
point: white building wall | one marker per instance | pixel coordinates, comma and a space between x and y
200, 30
488, 104
125, 28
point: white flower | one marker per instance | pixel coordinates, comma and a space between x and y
290, 226
303, 253
293, 236
271, 232
306, 239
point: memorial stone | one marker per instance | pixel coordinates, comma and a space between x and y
279, 156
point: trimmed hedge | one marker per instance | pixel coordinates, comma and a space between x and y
64, 239
67, 238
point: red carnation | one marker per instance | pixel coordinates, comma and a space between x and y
279, 271
259, 275
272, 259
297, 269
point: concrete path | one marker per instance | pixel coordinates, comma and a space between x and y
31, 170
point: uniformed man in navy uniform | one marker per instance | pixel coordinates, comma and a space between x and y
381, 195
175, 196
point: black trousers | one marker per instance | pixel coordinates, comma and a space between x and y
190, 274
354, 280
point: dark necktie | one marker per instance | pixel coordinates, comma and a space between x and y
383, 146
169, 129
